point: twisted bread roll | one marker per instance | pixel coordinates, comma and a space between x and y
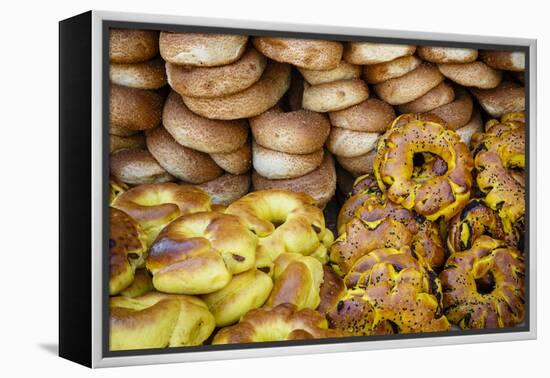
331, 291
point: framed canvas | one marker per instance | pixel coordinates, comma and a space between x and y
234, 189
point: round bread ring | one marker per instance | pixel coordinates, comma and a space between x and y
217, 81
488, 260
305, 53
145, 75
132, 46
410, 86
447, 54
297, 280
473, 126
440, 95
504, 60
349, 143
279, 165
336, 95
358, 165
141, 285
378, 73
476, 74
344, 71
283, 322
372, 115
199, 133
237, 162
440, 195
201, 49
374, 53
117, 143
246, 291
254, 100
157, 320
320, 184
127, 248
507, 97
300, 224
331, 291
227, 188
199, 253
121, 131
134, 109
136, 167
297, 132
458, 112
153, 206
391, 291
181, 162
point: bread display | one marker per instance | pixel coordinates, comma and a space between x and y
265, 188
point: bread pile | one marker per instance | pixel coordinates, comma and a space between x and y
226, 152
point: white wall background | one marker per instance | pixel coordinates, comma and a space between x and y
28, 184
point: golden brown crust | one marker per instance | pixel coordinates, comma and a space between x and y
440, 95
117, 143
227, 188
458, 112
344, 71
236, 162
331, 291
305, 53
372, 115
136, 167
279, 165
217, 81
201, 49
484, 287
141, 285
476, 74
145, 75
199, 133
283, 322
504, 60
333, 96
134, 109
320, 184
198, 253
350, 143
184, 163
132, 45
507, 97
358, 165
254, 100
447, 54
374, 53
378, 73
295, 132
410, 86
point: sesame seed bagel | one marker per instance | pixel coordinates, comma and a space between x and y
236, 162
279, 165
457, 113
117, 130
305, 53
474, 125
136, 167
134, 109
372, 115
440, 95
350, 143
132, 46
336, 95
250, 102
377, 73
446, 54
358, 165
374, 53
117, 143
227, 188
504, 60
410, 86
475, 74
320, 184
201, 49
343, 71
184, 163
199, 133
508, 97
145, 75
217, 81
297, 132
